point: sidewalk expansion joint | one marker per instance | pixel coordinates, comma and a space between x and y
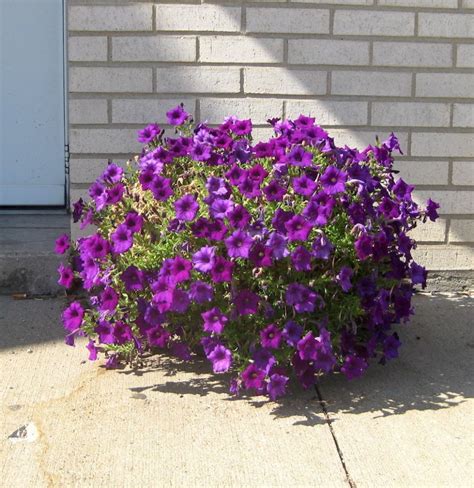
350, 481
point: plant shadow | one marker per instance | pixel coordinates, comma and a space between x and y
432, 373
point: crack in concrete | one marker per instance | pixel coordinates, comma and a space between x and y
349, 480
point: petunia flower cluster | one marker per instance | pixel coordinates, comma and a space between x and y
284, 259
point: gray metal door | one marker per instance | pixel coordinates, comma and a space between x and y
32, 115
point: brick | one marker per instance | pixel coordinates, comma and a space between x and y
259, 110
414, 54
429, 231
110, 80
85, 171
145, 111
87, 49
262, 134
445, 258
423, 172
288, 20
451, 201
198, 79
360, 139
463, 172
284, 81
366, 22
103, 141
461, 230
322, 51
411, 114
463, 115
159, 48
329, 112
465, 56
444, 84
198, 18
371, 83
468, 3
442, 144
420, 3
445, 25
230, 49
337, 2
110, 18
90, 111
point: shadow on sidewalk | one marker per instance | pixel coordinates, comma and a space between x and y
433, 372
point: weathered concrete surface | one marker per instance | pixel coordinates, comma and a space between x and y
27, 260
410, 423
169, 426
405, 424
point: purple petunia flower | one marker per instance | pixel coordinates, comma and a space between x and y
418, 274
180, 269
105, 331
161, 188
66, 276
203, 260
72, 316
201, 152
236, 175
252, 377
278, 244
238, 217
149, 133
108, 300
261, 255
96, 246
274, 191
221, 271
112, 174
299, 157
333, 180
114, 194
257, 173
298, 228
62, 244
363, 246
403, 191
221, 208
292, 332
431, 210
391, 345
92, 350
78, 208
214, 320
122, 239
301, 259
353, 367
249, 188
132, 278
98, 193
216, 186
322, 247
158, 336
177, 115
344, 278
276, 387
303, 185
304, 299
242, 127
238, 244
201, 292
134, 222
217, 230
180, 301
246, 302
221, 359
186, 208
271, 336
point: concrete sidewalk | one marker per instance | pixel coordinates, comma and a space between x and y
408, 424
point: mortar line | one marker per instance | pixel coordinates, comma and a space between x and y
349, 480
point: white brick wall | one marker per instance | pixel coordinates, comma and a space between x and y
361, 67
